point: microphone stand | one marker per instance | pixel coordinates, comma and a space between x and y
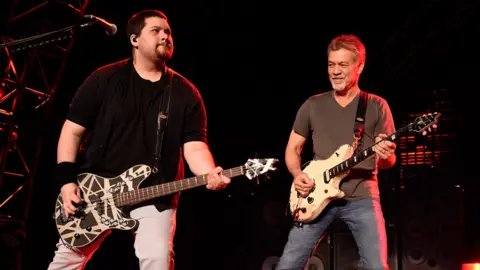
45, 38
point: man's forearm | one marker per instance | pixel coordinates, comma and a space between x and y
69, 142
68, 146
67, 150
67, 169
293, 162
199, 158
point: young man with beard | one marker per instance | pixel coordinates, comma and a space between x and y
120, 104
329, 117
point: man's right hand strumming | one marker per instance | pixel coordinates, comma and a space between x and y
303, 184
70, 192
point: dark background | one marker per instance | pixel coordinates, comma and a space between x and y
255, 63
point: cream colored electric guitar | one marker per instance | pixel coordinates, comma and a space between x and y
328, 174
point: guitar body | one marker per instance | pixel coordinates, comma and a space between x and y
99, 212
306, 209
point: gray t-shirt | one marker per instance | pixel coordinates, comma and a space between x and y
331, 126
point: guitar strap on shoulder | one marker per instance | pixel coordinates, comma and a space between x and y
359, 126
162, 121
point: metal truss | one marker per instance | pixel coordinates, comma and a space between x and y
33, 55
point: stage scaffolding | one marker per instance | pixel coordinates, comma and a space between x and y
34, 49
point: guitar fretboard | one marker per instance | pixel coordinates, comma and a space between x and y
144, 194
366, 153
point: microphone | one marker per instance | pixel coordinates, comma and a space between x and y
109, 27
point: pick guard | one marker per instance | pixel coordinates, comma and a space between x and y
325, 190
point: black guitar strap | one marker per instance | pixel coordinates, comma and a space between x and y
360, 119
162, 121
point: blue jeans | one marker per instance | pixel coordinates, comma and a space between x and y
364, 218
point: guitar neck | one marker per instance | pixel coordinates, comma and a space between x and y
366, 153
152, 192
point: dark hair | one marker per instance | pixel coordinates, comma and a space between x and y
351, 43
137, 21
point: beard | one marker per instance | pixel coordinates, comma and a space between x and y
341, 85
164, 52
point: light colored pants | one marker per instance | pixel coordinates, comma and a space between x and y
153, 242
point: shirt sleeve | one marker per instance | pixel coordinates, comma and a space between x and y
302, 124
195, 119
385, 122
86, 102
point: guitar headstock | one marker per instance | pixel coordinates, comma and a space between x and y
259, 166
424, 122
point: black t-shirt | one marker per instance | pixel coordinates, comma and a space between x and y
120, 110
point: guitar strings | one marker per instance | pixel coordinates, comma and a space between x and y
172, 187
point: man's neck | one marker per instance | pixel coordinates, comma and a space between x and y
149, 70
346, 96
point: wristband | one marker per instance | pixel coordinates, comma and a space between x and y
66, 172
